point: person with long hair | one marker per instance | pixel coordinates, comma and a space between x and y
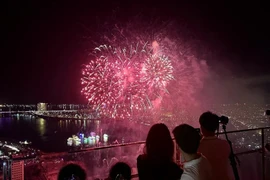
157, 160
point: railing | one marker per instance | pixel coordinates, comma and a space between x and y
98, 160
265, 131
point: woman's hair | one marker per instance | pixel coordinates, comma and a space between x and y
159, 144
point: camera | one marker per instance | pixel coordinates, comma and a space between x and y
223, 120
267, 113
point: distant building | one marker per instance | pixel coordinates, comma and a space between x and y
17, 170
13, 170
42, 106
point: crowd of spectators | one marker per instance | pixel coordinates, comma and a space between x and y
204, 155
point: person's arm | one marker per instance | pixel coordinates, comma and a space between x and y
140, 167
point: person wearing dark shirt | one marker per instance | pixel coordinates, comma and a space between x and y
72, 171
157, 160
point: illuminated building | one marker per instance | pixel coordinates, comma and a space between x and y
42, 106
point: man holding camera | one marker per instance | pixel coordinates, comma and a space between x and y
216, 150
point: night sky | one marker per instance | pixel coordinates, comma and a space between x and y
44, 48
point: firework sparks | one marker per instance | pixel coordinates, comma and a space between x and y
164, 75
121, 81
157, 72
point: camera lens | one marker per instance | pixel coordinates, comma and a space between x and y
224, 120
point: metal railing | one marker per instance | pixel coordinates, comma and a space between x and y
86, 154
260, 150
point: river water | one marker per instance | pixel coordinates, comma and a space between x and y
50, 135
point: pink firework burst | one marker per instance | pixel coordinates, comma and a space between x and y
157, 73
123, 81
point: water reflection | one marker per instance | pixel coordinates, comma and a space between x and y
84, 123
18, 116
41, 125
51, 135
79, 125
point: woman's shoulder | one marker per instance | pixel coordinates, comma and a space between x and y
142, 157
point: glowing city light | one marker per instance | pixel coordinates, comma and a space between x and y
105, 138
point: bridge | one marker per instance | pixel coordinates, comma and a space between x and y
48, 111
57, 114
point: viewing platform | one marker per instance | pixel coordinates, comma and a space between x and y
254, 159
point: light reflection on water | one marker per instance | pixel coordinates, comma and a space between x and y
41, 125
51, 135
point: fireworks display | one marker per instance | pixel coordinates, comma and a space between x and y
122, 81
145, 67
